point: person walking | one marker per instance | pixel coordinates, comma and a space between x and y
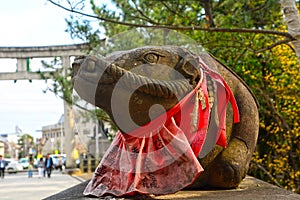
60, 163
2, 167
30, 169
30, 166
41, 167
48, 165
44, 158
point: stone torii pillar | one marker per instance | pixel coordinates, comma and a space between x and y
22, 54
68, 123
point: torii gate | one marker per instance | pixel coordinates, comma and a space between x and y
22, 54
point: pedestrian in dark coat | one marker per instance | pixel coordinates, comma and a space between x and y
49, 165
2, 167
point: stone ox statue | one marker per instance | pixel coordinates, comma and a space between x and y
170, 107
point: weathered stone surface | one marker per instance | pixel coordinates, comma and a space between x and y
95, 80
249, 189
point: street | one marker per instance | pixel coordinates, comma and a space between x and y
19, 186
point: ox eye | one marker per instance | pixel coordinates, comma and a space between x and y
151, 58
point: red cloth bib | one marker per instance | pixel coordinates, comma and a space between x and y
161, 157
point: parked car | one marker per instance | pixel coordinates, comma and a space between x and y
13, 167
56, 157
8, 160
24, 162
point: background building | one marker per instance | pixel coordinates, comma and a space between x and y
9, 147
86, 130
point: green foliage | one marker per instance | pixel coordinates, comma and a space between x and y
25, 141
61, 84
247, 14
264, 61
278, 147
26, 138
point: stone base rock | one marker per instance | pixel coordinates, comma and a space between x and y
250, 188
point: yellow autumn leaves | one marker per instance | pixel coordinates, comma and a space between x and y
278, 148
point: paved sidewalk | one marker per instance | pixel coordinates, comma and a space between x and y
20, 187
84, 177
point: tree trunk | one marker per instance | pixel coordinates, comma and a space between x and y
208, 13
292, 20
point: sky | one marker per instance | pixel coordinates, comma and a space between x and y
24, 104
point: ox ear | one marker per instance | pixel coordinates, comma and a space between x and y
76, 64
188, 66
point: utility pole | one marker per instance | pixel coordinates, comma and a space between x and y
61, 137
26, 145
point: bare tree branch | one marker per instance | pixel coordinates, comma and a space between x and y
280, 120
171, 10
263, 6
239, 57
231, 30
143, 15
268, 174
285, 41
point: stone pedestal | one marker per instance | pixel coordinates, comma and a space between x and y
250, 189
